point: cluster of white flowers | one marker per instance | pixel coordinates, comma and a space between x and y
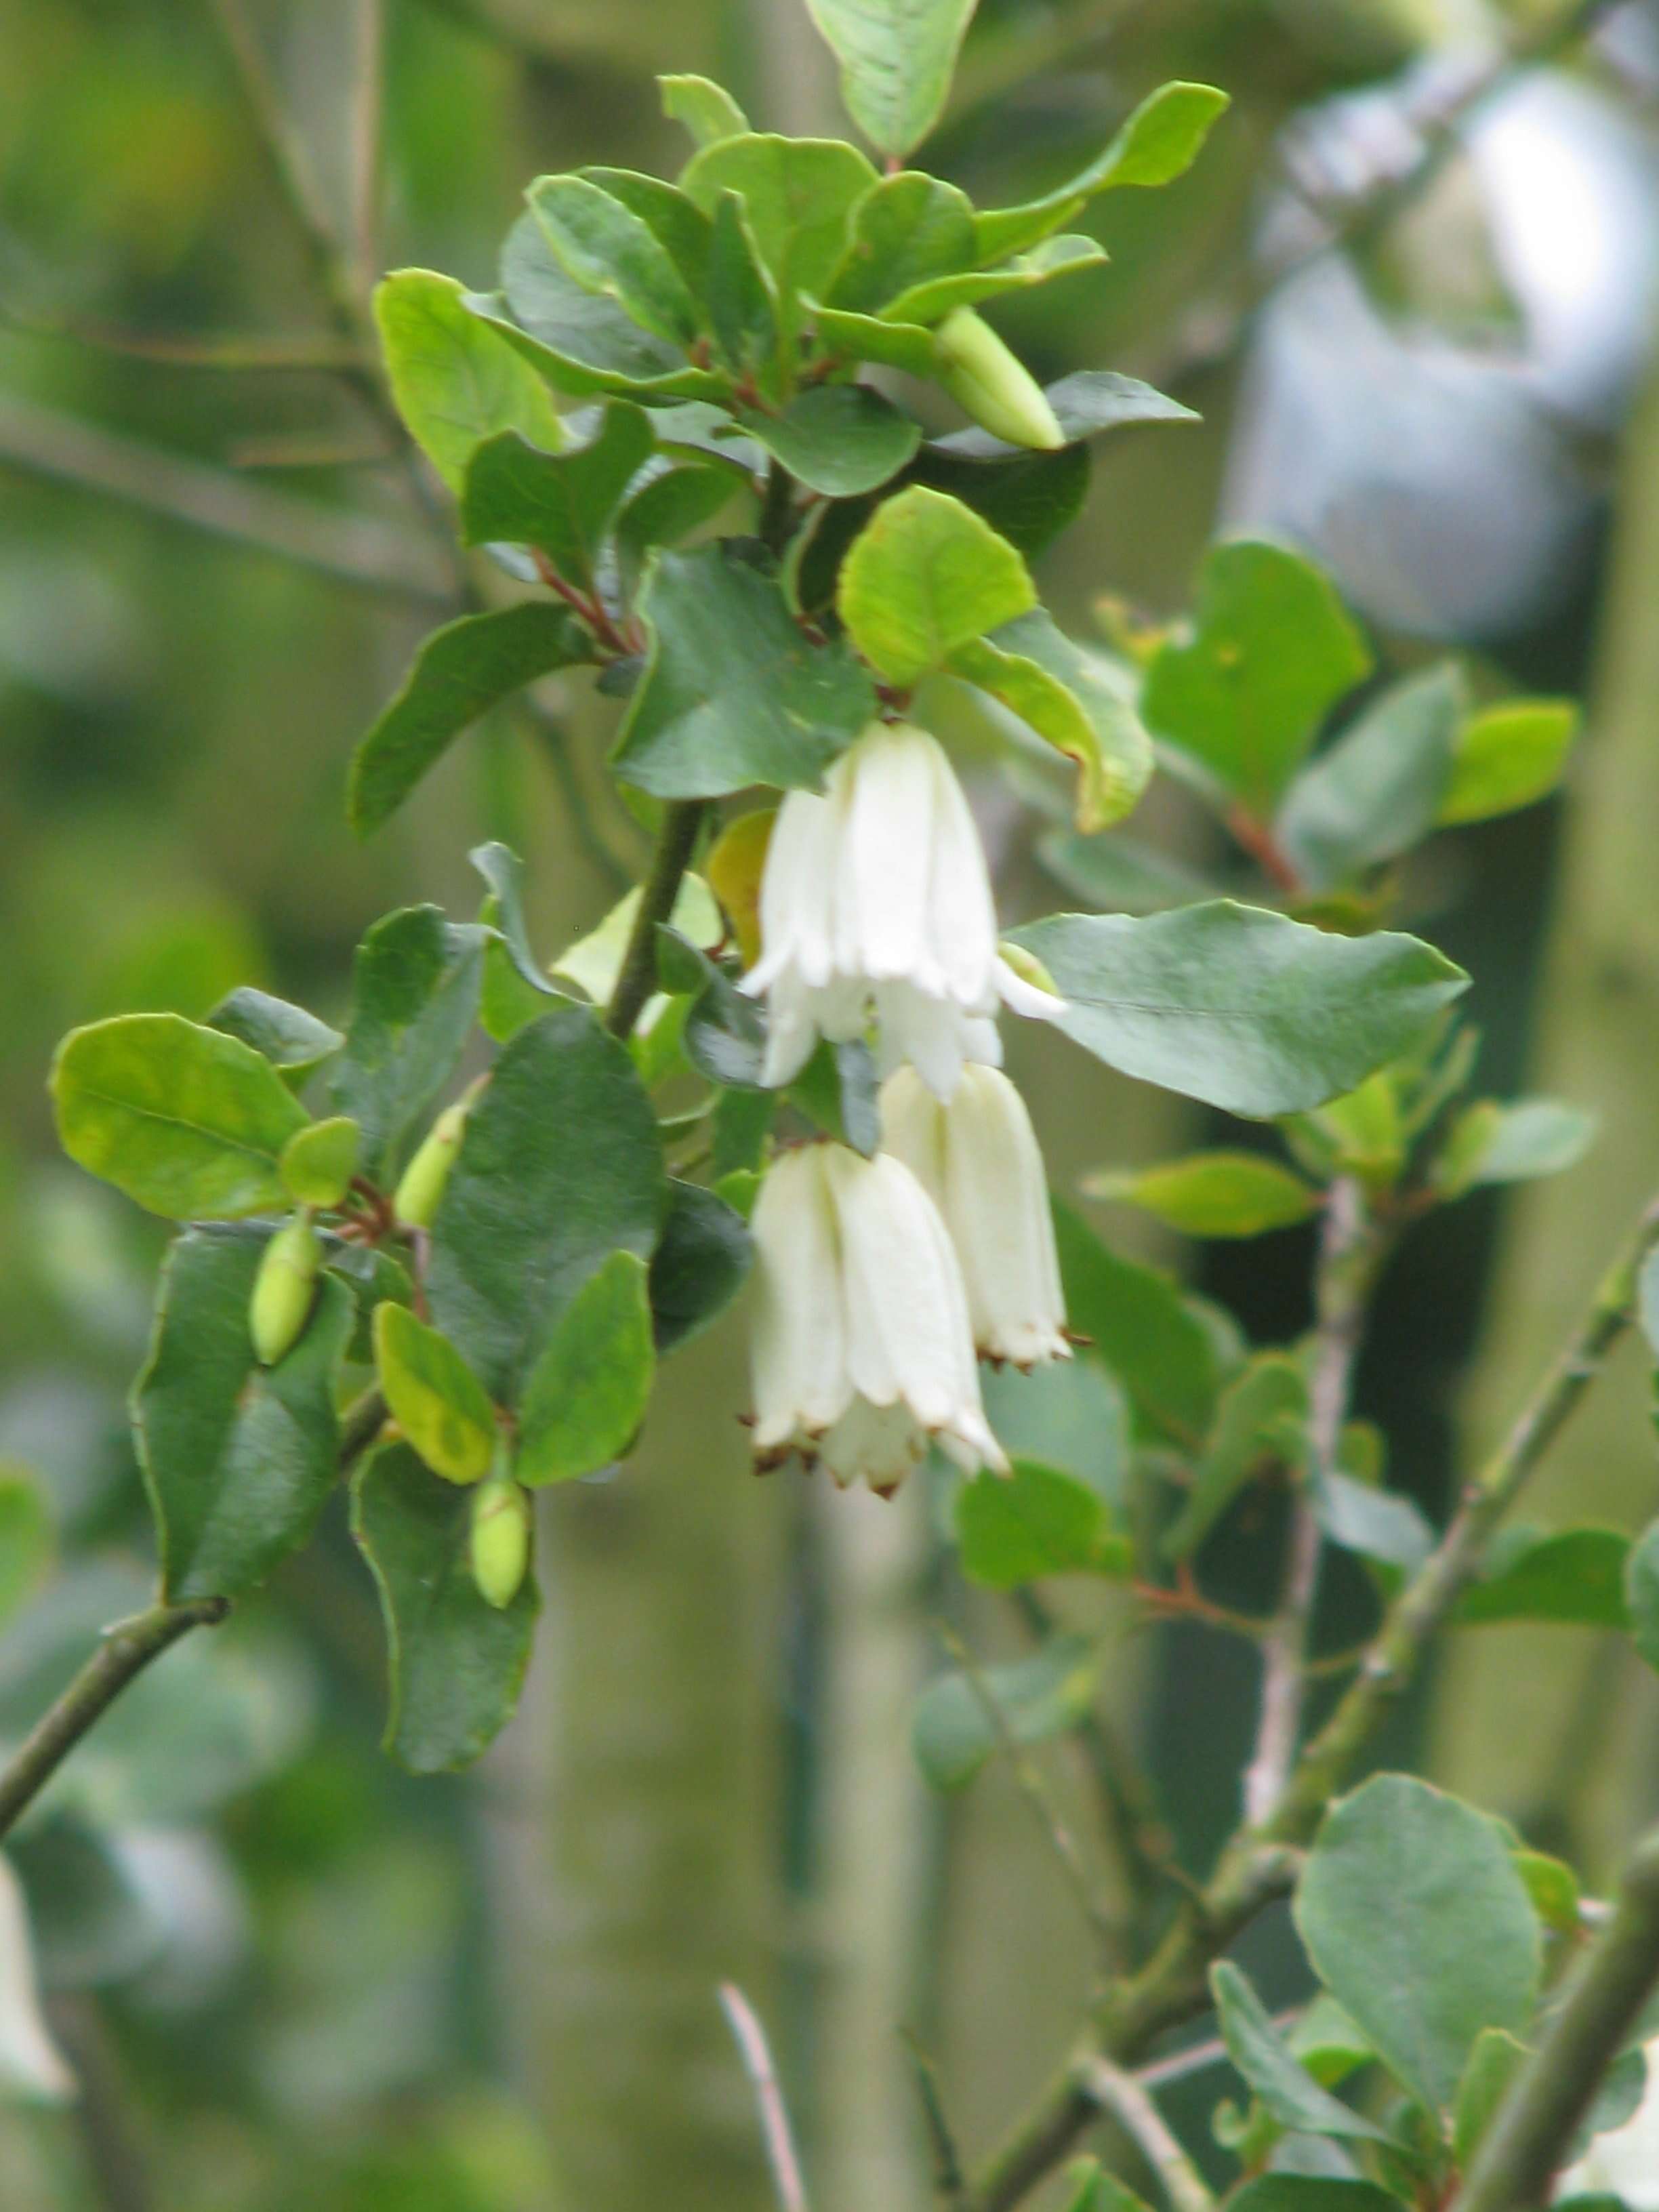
879, 1281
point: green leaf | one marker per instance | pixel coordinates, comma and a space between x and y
1641, 1593
503, 870
840, 440
318, 1162
846, 337
742, 307
677, 224
670, 503
456, 1663
732, 693
707, 110
952, 1735
415, 995
1093, 2190
906, 231
582, 342
1418, 1925
929, 302
455, 379
1577, 1577
1088, 401
1027, 498
925, 577
587, 1394
1142, 1328
797, 192
1067, 697
292, 1041
1493, 2063
239, 1460
1070, 1414
433, 1397
1376, 792
1298, 2192
1493, 1144
459, 673
897, 57
26, 1538
607, 249
1159, 142
725, 1033
594, 962
1243, 1008
1213, 1194
699, 1265
1378, 1524
562, 502
1014, 1528
1509, 756
1261, 1417
1284, 2086
1116, 875
1553, 1888
1272, 652
188, 1121
560, 1166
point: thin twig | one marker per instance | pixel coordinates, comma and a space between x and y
230, 352
1128, 2101
951, 2179
780, 2154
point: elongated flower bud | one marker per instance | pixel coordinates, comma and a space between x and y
499, 1540
284, 1289
415, 1201
989, 383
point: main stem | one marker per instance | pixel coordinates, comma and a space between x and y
675, 842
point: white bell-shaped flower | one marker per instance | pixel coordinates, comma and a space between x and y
31, 2064
875, 899
976, 1156
861, 1350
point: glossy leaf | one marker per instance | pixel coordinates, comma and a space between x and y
455, 379
700, 1263
1143, 1330
587, 1394
897, 57
677, 223
583, 342
415, 995
707, 110
1256, 2048
292, 1041
188, 1121
608, 249
1037, 1521
1213, 1194
239, 1460
1576, 1578
797, 193
840, 440
503, 871
1027, 498
318, 1163
1068, 698
908, 230
668, 504
433, 1397
926, 577
459, 673
953, 1735
1260, 1420
1376, 792
1418, 1925
560, 1166
1085, 402
732, 693
1243, 1008
1272, 651
742, 307
456, 1663
1509, 756
562, 502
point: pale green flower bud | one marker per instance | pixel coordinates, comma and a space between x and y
284, 1289
416, 1199
499, 1540
987, 382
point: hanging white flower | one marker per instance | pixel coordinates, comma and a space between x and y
861, 1350
30, 2062
876, 898
976, 1156
1623, 2162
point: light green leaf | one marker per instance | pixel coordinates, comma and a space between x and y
459, 673
608, 249
677, 224
433, 1397
318, 1163
239, 1460
1262, 1417
292, 1041
1509, 756
188, 1121
907, 231
1289, 2093
560, 1166
849, 336
925, 577
415, 995
594, 962
457, 1663
840, 440
1378, 1524
582, 342
734, 694
797, 192
952, 1734
562, 502
1576, 1578
1068, 698
1070, 1414
1142, 1329
897, 57
1093, 2190
1240, 1007
1158, 143
25, 1538
1213, 1194
1376, 792
1493, 2063
585, 1396
455, 379
503, 870
1037, 1521
742, 307
701, 1260
1493, 1144
930, 302
707, 110
1272, 651
1418, 1925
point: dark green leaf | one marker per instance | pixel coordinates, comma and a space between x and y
456, 380
456, 1663
415, 995
1260, 1420
1027, 498
1014, 1528
588, 1392
725, 1031
926, 577
1377, 791
952, 1733
1509, 756
1284, 2086
1088, 401
840, 440
582, 342
559, 1167
742, 307
907, 230
1240, 1007
606, 248
1418, 1925
459, 673
698, 1267
503, 870
1213, 1194
797, 192
668, 506
707, 110
897, 57
1575, 1577
433, 1397
189, 1122
1142, 1328
1273, 651
742, 1123
292, 1041
1297, 2192
561, 502
734, 694
238, 1459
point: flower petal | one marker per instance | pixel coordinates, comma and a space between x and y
798, 1342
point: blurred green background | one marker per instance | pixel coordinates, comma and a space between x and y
288, 1976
